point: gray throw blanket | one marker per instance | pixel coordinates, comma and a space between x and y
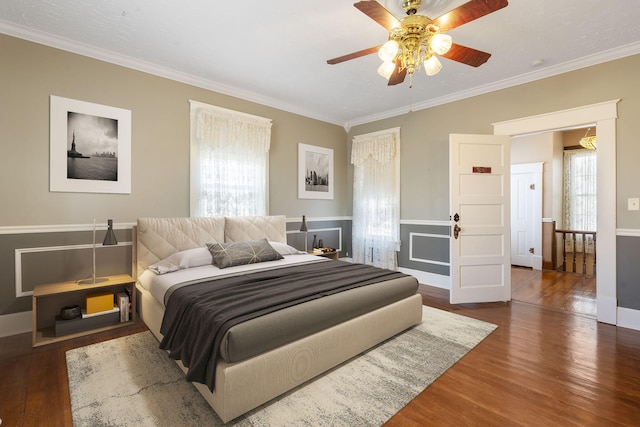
197, 316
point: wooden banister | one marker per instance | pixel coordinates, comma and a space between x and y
572, 235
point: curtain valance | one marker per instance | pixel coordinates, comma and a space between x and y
380, 146
221, 127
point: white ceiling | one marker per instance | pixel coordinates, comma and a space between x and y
275, 52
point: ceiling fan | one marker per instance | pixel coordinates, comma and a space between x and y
417, 40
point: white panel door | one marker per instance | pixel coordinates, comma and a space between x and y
522, 219
479, 167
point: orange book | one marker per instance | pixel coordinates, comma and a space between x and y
99, 301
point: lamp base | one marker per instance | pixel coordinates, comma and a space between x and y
93, 280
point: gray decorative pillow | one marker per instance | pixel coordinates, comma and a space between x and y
241, 253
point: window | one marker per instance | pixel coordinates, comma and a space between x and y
580, 193
229, 162
376, 198
580, 189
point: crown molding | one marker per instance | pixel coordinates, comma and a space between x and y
136, 64
149, 68
587, 61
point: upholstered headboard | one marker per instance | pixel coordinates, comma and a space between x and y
241, 228
158, 238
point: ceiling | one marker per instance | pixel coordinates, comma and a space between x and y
275, 52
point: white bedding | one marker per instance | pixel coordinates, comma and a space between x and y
158, 284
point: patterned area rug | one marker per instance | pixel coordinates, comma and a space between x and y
130, 381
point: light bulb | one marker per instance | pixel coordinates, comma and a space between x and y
441, 43
386, 69
432, 66
388, 51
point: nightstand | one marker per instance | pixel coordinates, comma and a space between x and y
49, 298
331, 255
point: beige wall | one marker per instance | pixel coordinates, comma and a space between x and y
425, 133
160, 152
538, 149
30, 73
425, 145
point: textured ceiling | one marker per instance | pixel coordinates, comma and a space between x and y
275, 52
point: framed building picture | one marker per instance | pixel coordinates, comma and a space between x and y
315, 172
90, 147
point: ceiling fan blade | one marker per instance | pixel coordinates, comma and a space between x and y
398, 76
378, 13
467, 13
467, 55
354, 55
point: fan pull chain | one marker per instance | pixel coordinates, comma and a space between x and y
411, 93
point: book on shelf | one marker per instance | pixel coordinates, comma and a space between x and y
122, 302
129, 291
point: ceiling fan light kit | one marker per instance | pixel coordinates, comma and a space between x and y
416, 41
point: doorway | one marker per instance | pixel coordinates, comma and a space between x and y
604, 116
538, 190
566, 291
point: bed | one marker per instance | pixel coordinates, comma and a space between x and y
263, 356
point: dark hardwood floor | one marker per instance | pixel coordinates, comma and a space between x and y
33, 381
571, 292
542, 366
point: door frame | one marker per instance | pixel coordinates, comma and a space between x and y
604, 116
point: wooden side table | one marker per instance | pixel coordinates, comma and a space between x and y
331, 255
49, 298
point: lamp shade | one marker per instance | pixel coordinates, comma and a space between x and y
388, 51
588, 142
432, 66
441, 43
110, 237
386, 69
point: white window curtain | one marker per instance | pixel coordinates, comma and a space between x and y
229, 162
580, 194
376, 198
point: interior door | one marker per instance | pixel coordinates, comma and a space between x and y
480, 249
522, 187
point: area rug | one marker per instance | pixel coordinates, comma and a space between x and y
129, 381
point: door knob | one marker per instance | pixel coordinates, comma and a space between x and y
456, 231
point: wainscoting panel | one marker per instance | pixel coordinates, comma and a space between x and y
335, 233
425, 247
628, 274
64, 263
34, 255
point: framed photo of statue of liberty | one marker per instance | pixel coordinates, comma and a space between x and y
315, 172
90, 147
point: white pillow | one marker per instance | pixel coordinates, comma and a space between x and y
285, 249
184, 259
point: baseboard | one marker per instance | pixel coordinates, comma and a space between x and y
16, 323
629, 318
607, 309
426, 278
537, 262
